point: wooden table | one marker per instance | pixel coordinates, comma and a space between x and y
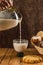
8, 57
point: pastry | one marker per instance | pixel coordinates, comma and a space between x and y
36, 39
40, 33
32, 59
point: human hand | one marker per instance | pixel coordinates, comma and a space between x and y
4, 4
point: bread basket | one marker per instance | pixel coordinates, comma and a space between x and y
39, 49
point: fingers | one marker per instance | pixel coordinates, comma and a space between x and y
5, 4
8, 3
11, 2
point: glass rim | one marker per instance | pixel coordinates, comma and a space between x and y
18, 41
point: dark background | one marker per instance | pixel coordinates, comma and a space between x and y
32, 12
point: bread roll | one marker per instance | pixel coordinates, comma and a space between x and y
40, 33
32, 59
36, 39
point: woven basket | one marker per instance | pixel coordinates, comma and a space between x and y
39, 49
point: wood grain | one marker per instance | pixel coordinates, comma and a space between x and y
2, 53
10, 57
7, 57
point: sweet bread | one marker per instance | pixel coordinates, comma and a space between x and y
40, 33
36, 39
32, 59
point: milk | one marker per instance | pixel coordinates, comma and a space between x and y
20, 31
20, 47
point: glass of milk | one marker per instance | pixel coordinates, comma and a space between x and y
20, 46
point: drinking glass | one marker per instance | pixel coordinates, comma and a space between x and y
20, 46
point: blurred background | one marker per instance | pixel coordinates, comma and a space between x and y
32, 12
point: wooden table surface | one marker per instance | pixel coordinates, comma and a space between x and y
8, 57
